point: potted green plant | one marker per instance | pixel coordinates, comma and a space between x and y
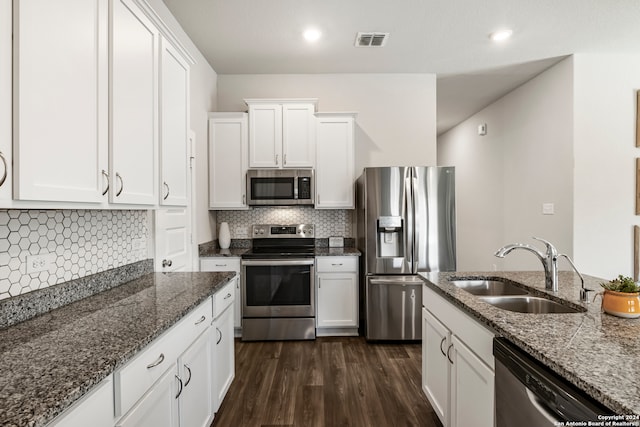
621, 297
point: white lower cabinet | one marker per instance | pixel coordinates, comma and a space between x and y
222, 344
457, 364
228, 264
337, 295
158, 407
194, 372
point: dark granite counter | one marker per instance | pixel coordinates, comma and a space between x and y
50, 361
595, 351
346, 251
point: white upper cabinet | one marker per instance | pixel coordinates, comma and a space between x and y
174, 110
134, 106
335, 161
228, 147
60, 66
281, 133
5, 103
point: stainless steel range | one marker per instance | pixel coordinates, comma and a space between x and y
278, 297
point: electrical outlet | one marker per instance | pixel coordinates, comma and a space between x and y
241, 232
37, 263
340, 228
138, 244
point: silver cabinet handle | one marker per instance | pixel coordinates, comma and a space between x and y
244, 199
118, 177
442, 342
337, 264
168, 190
156, 362
180, 390
284, 159
219, 339
318, 198
449, 356
106, 175
4, 174
200, 320
166, 263
221, 265
189, 370
276, 159
227, 296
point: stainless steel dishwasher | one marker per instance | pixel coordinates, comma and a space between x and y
528, 394
394, 307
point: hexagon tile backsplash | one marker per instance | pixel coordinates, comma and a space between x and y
79, 243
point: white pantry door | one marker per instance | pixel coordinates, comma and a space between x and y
173, 239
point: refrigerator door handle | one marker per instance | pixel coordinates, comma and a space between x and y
409, 229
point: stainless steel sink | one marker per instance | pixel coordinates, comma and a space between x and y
529, 304
489, 287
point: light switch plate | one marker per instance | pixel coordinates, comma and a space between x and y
548, 209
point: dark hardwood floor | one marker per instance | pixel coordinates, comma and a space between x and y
327, 382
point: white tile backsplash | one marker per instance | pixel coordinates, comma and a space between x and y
80, 243
328, 222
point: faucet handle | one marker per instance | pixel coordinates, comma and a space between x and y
550, 248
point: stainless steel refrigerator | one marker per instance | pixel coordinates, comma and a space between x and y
405, 224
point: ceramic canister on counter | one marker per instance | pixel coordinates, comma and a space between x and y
224, 236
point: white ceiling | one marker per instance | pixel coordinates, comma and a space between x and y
445, 37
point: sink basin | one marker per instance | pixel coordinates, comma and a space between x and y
489, 287
529, 304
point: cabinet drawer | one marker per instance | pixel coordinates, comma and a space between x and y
336, 264
220, 264
133, 380
224, 297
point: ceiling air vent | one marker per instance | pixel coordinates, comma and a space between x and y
371, 39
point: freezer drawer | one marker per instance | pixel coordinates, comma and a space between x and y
393, 308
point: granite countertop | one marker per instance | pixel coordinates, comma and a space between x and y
595, 351
50, 361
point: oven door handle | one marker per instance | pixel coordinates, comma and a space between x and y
278, 262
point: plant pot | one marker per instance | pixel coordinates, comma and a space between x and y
621, 304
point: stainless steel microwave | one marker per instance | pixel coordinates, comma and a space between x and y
280, 187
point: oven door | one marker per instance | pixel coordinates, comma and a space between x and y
278, 288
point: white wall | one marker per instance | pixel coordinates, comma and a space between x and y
203, 80
396, 123
605, 153
503, 178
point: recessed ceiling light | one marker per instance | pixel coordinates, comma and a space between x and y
311, 35
500, 35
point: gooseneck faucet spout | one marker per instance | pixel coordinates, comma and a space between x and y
549, 260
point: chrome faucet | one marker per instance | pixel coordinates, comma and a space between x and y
549, 260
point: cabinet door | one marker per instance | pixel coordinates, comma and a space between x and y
436, 368
223, 360
174, 110
228, 147
158, 407
5, 103
265, 135
335, 163
195, 401
298, 136
134, 77
472, 394
60, 99
337, 300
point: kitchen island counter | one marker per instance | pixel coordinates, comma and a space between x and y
50, 361
596, 352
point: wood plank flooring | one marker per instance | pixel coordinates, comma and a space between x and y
329, 382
